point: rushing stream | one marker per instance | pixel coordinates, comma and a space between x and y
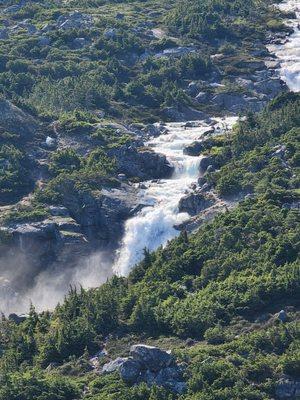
154, 225
288, 53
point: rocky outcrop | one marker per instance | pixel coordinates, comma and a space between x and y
183, 113
143, 164
75, 20
150, 357
194, 149
151, 365
14, 120
205, 162
194, 203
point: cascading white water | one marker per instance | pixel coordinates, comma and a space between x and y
288, 53
154, 225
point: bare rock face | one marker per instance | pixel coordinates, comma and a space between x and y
194, 203
193, 149
14, 120
205, 162
143, 164
150, 357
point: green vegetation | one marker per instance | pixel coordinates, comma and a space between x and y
211, 297
215, 286
14, 177
263, 155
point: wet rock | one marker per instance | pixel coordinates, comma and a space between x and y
179, 114
194, 203
205, 162
150, 357
155, 130
194, 149
144, 164
210, 169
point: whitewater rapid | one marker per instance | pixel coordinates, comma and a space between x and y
288, 53
154, 225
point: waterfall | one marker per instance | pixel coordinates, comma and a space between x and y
289, 52
154, 225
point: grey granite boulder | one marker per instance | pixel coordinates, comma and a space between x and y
194, 203
130, 370
14, 120
114, 365
193, 149
150, 357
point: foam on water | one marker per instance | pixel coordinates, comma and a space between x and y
289, 52
154, 225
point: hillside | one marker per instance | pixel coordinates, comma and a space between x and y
212, 297
125, 123
82, 85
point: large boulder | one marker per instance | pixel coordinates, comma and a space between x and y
193, 149
114, 365
14, 120
130, 370
151, 365
230, 101
271, 87
171, 378
75, 20
194, 203
150, 357
142, 164
183, 113
205, 162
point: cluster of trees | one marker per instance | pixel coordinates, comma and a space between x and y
114, 63
14, 168
264, 153
216, 19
